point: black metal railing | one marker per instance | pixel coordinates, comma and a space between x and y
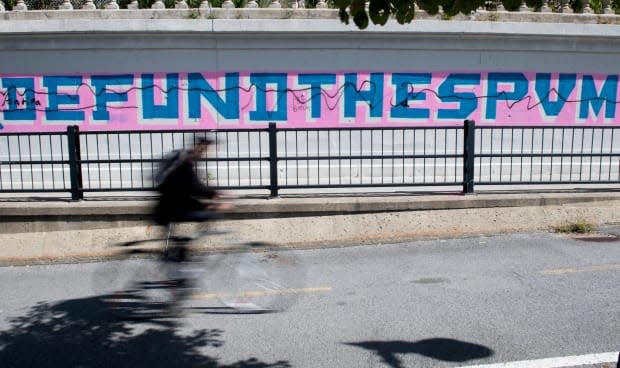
273, 159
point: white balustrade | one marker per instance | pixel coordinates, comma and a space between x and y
606, 7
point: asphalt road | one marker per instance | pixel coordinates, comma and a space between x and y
442, 303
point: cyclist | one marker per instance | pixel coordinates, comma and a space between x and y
181, 192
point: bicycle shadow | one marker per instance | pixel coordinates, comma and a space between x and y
444, 349
85, 333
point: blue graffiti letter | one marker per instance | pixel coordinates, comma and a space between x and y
103, 95
520, 90
373, 95
404, 94
468, 100
15, 100
199, 87
543, 90
589, 96
262, 112
168, 111
316, 81
53, 110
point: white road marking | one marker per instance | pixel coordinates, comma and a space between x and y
562, 271
569, 361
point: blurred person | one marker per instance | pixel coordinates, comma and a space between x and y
182, 193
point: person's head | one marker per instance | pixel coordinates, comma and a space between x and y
200, 147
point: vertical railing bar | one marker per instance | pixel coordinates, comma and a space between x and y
329, 155
318, 155
445, 152
29, 140
551, 157
611, 147
41, 165
424, 153
62, 150
141, 160
120, 164
581, 153
227, 135
130, 162
413, 160
8, 146
21, 166
469, 144
1, 171
491, 157
521, 157
273, 160
512, 145
572, 152
382, 155
339, 156
403, 155
372, 161
562, 152
542, 145
361, 132
296, 155
501, 152
591, 152
600, 160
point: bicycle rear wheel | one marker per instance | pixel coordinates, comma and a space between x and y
257, 280
139, 288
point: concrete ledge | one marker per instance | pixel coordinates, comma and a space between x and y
296, 206
40, 232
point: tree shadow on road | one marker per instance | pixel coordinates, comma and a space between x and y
444, 349
84, 333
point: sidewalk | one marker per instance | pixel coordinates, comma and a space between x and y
64, 231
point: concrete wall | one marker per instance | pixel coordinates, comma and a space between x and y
172, 41
169, 45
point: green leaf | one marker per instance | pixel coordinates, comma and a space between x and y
379, 11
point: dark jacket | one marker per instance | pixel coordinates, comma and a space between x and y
180, 190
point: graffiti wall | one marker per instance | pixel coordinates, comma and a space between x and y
241, 100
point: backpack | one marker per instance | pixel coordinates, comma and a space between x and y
167, 166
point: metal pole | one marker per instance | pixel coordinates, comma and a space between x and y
75, 171
273, 160
469, 146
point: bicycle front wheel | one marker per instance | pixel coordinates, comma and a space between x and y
260, 280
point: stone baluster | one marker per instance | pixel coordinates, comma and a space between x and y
133, 5
181, 4
158, 4
294, 4
607, 7
89, 5
544, 8
112, 5
565, 7
500, 6
252, 4
20, 6
2, 8
275, 4
204, 5
586, 7
523, 7
228, 4
321, 4
66, 5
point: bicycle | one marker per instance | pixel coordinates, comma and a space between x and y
250, 277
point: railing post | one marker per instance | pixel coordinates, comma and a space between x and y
75, 170
273, 160
469, 145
